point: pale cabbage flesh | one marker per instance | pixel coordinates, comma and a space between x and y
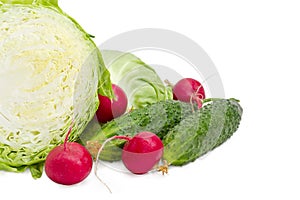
49, 77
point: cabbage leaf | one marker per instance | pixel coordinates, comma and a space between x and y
140, 81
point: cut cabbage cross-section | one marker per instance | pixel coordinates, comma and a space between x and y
49, 76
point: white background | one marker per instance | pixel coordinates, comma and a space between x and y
255, 45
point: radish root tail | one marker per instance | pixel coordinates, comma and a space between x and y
97, 161
164, 168
98, 157
196, 98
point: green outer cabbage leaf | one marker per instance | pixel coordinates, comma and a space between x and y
140, 81
52, 80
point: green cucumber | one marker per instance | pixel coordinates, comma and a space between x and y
157, 118
202, 131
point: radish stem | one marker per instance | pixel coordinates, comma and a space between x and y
67, 136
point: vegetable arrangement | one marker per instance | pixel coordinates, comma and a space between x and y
158, 118
46, 112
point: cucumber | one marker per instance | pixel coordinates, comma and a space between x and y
202, 131
157, 118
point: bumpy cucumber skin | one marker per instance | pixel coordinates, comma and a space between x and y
158, 118
201, 132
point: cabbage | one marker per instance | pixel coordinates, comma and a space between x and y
50, 74
140, 81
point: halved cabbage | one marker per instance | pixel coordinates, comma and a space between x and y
50, 75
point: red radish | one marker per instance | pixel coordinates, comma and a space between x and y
112, 108
189, 90
68, 163
142, 152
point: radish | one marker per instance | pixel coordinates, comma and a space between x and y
112, 108
68, 163
189, 90
140, 153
